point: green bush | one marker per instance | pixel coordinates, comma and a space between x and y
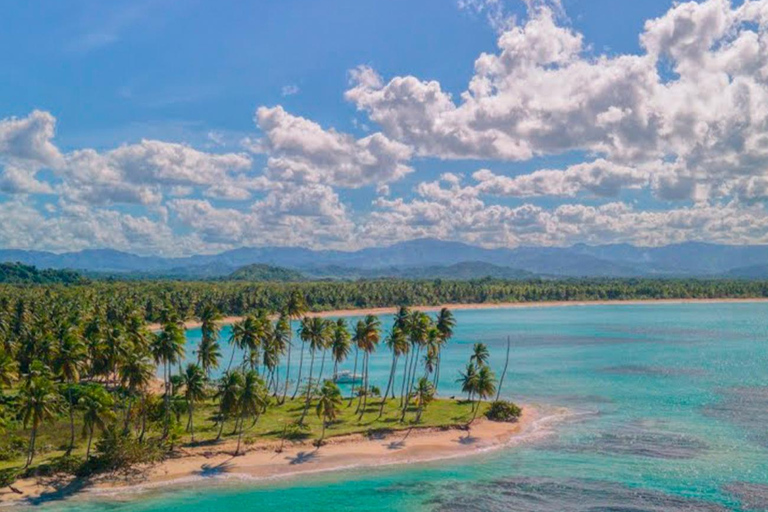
119, 451
502, 410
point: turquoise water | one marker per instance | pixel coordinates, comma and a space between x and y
667, 410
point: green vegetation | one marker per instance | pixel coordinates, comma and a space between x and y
262, 272
18, 273
502, 410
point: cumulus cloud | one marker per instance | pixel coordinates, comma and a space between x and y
302, 151
544, 92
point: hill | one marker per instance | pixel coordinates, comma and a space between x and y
261, 272
18, 273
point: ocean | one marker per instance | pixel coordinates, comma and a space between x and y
650, 407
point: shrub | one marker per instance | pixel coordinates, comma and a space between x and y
502, 410
119, 451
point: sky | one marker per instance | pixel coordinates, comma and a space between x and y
175, 128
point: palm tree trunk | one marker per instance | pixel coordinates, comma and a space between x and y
415, 365
354, 374
143, 418
389, 385
406, 362
232, 358
309, 388
366, 390
71, 420
191, 422
239, 436
322, 435
322, 365
504, 373
32, 437
221, 428
167, 398
90, 439
436, 378
128, 413
298, 380
287, 369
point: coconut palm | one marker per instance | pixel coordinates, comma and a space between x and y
252, 402
480, 354
96, 404
358, 340
341, 345
397, 343
68, 363
419, 325
294, 309
194, 391
315, 332
136, 374
281, 339
370, 342
9, 369
468, 380
485, 386
38, 402
227, 395
167, 349
208, 352
445, 324
328, 405
425, 393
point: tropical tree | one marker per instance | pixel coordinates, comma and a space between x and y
358, 340
480, 354
328, 405
468, 380
485, 386
294, 309
38, 402
316, 333
227, 395
397, 342
445, 324
252, 402
341, 345
96, 404
68, 363
136, 375
208, 352
370, 342
194, 391
281, 338
425, 393
167, 349
9, 369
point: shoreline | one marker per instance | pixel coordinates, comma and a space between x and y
262, 461
390, 310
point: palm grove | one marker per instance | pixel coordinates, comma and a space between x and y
126, 395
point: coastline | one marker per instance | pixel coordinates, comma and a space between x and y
192, 324
262, 461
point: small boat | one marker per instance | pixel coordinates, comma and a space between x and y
347, 377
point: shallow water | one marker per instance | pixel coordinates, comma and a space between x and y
668, 412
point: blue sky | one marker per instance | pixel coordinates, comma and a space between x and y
135, 124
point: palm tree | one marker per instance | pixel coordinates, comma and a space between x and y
167, 349
208, 352
136, 374
397, 342
358, 339
38, 401
445, 324
370, 342
252, 402
341, 346
294, 309
9, 369
425, 393
194, 391
485, 386
328, 405
468, 380
418, 329
281, 339
96, 404
315, 332
480, 354
68, 363
227, 395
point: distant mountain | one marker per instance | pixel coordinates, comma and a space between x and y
262, 272
751, 272
460, 271
423, 257
18, 273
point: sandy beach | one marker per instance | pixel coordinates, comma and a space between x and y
191, 324
264, 460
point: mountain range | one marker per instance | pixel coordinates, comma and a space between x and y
429, 258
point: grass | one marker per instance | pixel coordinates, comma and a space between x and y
53, 438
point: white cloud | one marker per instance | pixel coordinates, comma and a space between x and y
302, 151
289, 90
